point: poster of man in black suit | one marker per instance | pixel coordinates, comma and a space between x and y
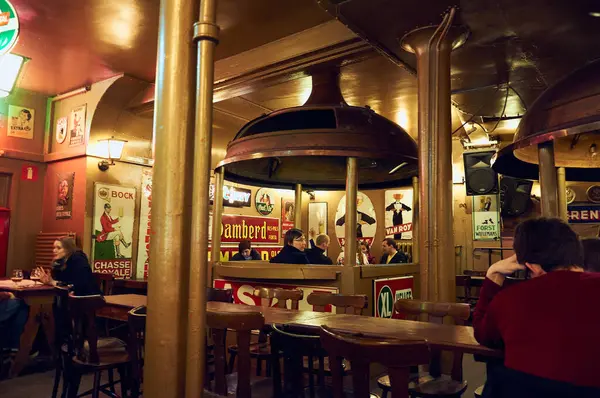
365, 219
398, 220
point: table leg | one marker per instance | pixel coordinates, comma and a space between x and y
27, 338
47, 319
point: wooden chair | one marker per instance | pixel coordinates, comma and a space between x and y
236, 384
435, 386
136, 321
463, 283
219, 295
397, 355
105, 282
344, 303
261, 350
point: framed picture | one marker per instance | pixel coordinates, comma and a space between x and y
317, 217
287, 215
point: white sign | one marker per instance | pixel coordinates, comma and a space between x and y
486, 218
20, 122
61, 130
399, 213
144, 235
366, 220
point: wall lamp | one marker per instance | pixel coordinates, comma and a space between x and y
10, 68
110, 149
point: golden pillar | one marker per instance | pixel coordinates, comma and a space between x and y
298, 206
415, 221
548, 180
432, 47
206, 33
217, 215
351, 212
562, 194
165, 363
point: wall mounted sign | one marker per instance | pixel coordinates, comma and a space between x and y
64, 197
113, 220
61, 130
317, 218
366, 220
486, 217
77, 126
399, 213
9, 26
141, 270
235, 228
288, 207
570, 195
583, 213
264, 201
232, 196
593, 193
266, 252
387, 291
20, 122
29, 172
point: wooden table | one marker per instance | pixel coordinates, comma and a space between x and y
39, 298
118, 306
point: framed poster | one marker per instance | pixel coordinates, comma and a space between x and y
77, 126
387, 290
317, 218
366, 220
20, 122
61, 130
64, 198
143, 253
113, 220
399, 213
486, 217
288, 207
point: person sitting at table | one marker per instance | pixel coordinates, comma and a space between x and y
13, 316
366, 250
591, 254
391, 254
293, 249
316, 254
548, 325
246, 252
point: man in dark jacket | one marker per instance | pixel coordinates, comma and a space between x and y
246, 252
293, 249
316, 253
391, 255
13, 316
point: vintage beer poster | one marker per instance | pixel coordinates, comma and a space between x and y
77, 126
399, 213
486, 217
64, 197
20, 122
235, 228
264, 201
288, 207
317, 218
144, 236
114, 217
61, 130
366, 220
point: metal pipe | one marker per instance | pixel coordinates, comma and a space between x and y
415, 221
69, 94
217, 215
548, 180
206, 33
562, 194
351, 212
170, 250
298, 207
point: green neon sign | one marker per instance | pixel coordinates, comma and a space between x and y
9, 26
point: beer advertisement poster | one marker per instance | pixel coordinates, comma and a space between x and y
64, 197
20, 122
114, 218
144, 236
264, 201
399, 213
77, 126
366, 220
288, 207
486, 217
235, 228
317, 218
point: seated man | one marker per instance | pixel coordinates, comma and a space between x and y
316, 253
293, 250
591, 254
13, 316
548, 326
246, 252
391, 255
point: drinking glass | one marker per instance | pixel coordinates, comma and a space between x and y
17, 276
35, 276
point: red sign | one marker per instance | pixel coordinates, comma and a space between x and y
266, 252
387, 291
242, 292
235, 228
29, 173
120, 268
398, 229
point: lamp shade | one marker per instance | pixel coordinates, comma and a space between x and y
10, 66
111, 148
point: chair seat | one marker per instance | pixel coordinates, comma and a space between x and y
257, 350
111, 351
439, 387
261, 387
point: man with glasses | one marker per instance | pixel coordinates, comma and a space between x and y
293, 250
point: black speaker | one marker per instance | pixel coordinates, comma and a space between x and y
515, 196
480, 178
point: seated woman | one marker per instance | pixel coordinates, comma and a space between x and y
364, 247
246, 252
293, 249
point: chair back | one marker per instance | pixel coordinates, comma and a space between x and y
136, 320
243, 323
472, 272
267, 294
220, 295
105, 282
344, 303
83, 312
397, 355
464, 282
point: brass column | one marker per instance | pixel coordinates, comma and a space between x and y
206, 33
165, 363
432, 47
415, 221
548, 181
298, 206
217, 215
562, 194
350, 224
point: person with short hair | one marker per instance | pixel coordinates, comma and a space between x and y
548, 326
591, 254
316, 254
391, 254
294, 244
246, 252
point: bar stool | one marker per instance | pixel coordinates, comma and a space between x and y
261, 350
433, 385
397, 355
